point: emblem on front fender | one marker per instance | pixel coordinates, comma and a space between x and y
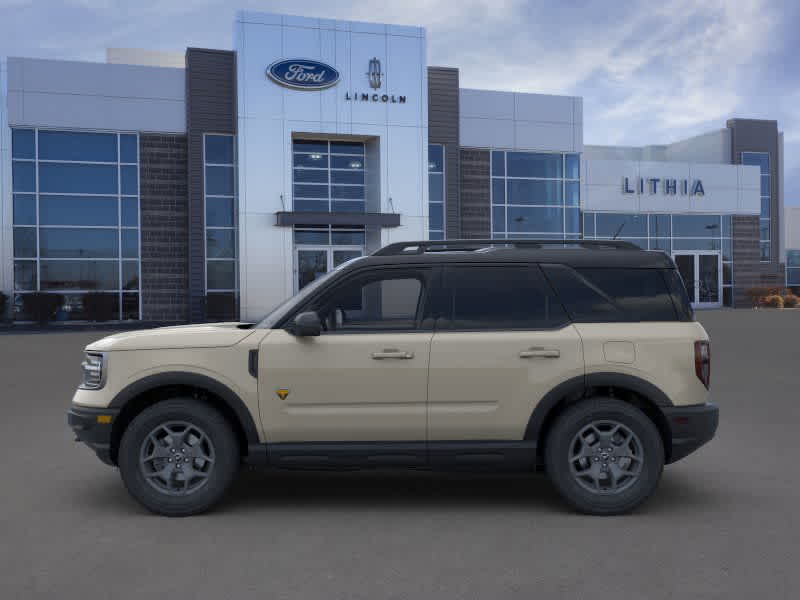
282, 393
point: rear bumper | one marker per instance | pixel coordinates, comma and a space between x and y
691, 426
97, 435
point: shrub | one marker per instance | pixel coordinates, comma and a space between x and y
98, 306
3, 306
757, 295
773, 301
790, 301
41, 306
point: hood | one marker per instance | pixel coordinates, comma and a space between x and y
206, 335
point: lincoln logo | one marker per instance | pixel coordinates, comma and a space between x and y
301, 74
374, 74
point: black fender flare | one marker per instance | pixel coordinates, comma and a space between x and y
222, 391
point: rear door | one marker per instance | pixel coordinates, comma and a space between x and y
502, 342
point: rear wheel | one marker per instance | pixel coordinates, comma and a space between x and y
604, 456
178, 457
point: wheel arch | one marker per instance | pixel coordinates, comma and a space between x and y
141, 394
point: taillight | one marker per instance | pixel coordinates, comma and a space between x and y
702, 361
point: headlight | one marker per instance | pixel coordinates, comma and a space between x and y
93, 368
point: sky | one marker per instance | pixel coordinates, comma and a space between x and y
649, 72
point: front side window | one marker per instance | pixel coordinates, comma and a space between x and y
499, 298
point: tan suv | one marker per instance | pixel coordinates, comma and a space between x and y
582, 358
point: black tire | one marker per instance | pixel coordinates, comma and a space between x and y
568, 437
199, 421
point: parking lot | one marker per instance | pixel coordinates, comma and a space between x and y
725, 523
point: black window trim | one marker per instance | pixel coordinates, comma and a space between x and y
442, 323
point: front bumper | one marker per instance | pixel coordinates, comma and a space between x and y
691, 426
94, 432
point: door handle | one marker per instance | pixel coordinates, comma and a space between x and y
540, 353
392, 353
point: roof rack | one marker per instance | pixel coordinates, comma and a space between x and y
423, 246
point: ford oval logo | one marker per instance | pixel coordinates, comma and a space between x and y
303, 74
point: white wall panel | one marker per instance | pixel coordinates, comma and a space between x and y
486, 104
486, 133
363, 47
539, 135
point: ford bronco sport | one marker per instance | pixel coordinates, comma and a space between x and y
581, 358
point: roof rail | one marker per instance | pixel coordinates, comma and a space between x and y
422, 246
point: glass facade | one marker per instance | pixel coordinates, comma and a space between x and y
221, 223
76, 221
535, 195
669, 233
321, 248
761, 160
793, 268
436, 192
328, 176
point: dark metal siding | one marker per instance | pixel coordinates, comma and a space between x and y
210, 108
443, 115
476, 218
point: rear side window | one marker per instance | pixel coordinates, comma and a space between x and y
613, 294
498, 298
679, 297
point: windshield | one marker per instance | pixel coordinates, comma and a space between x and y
287, 305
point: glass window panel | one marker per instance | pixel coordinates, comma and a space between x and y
77, 210
572, 190
696, 225
310, 146
765, 207
498, 163
766, 251
727, 225
130, 307
220, 243
348, 238
436, 235
79, 275
765, 185
219, 181
23, 143
352, 177
219, 212
348, 205
436, 187
130, 243
759, 159
25, 242
219, 149
536, 219
221, 274
727, 296
642, 293
348, 192
498, 191
588, 225
435, 158
310, 191
727, 249
573, 166
311, 205
130, 274
24, 209
23, 176
128, 148
727, 273
347, 148
129, 180
793, 277
77, 179
621, 225
25, 275
498, 218
315, 160
311, 175
436, 216
695, 244
342, 256
793, 258
527, 191
77, 145
660, 226
130, 212
763, 229
663, 244
78, 243
572, 220
531, 164
311, 237
346, 162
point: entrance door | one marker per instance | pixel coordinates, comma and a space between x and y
702, 274
313, 261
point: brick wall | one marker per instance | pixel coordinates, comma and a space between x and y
164, 215
476, 219
748, 270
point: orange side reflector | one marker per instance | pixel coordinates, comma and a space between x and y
104, 419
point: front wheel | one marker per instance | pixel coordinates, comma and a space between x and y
604, 456
178, 457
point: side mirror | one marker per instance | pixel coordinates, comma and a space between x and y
307, 324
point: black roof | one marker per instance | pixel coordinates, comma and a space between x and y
575, 253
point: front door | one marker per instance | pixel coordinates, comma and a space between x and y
365, 378
702, 274
314, 261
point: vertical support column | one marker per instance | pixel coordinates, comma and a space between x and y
476, 210
443, 128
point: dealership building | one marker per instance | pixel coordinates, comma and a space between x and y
213, 184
